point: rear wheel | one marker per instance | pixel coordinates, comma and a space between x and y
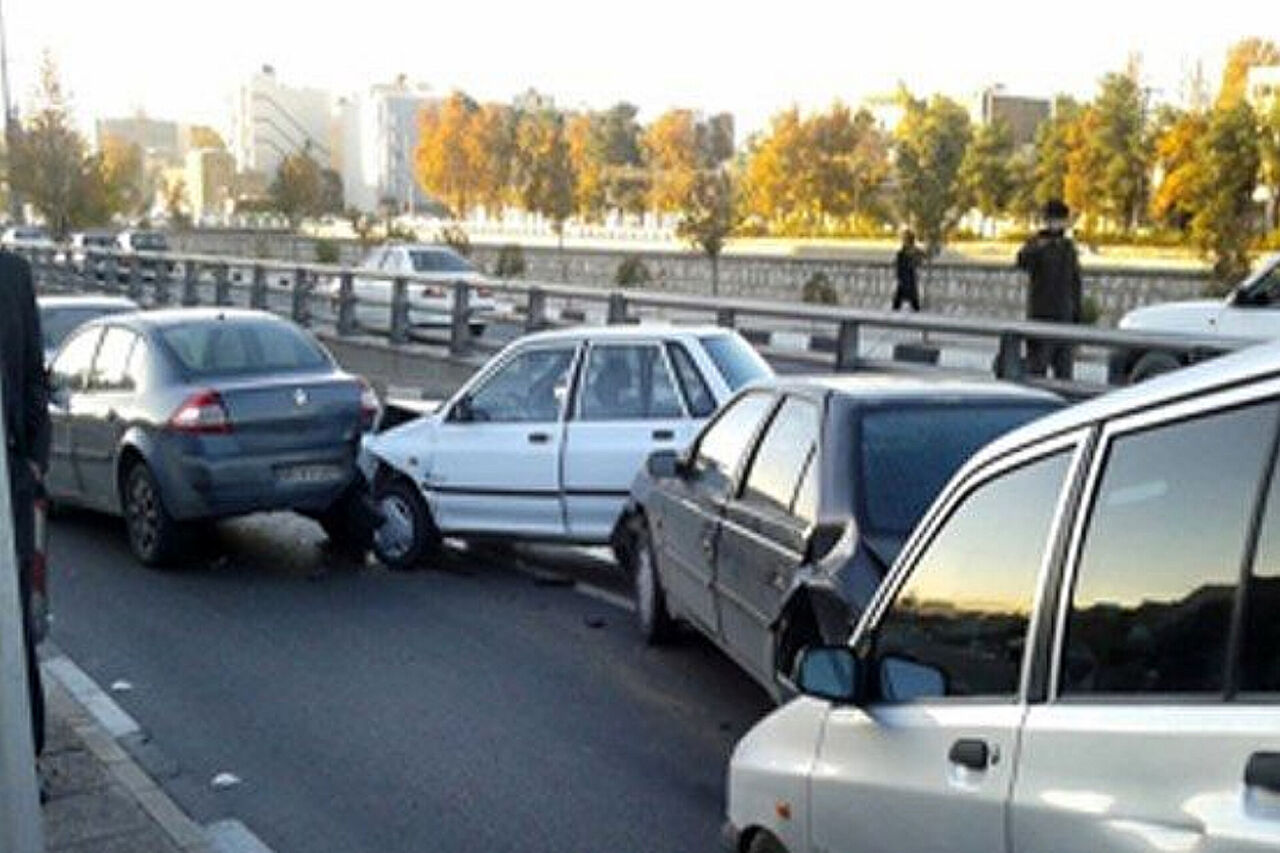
349, 522
153, 533
405, 533
656, 625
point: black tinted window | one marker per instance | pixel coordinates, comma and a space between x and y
908, 455
959, 624
696, 393
1151, 609
779, 464
1260, 650
438, 260
737, 362
226, 347
723, 445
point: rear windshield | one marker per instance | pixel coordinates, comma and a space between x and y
150, 242
57, 323
425, 260
737, 362
909, 454
242, 348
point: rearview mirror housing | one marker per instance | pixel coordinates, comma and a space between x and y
663, 464
462, 411
833, 673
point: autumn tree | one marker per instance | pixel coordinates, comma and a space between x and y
586, 141
1222, 225
1269, 149
772, 192
49, 155
490, 153
709, 217
626, 182
1242, 56
123, 176
203, 136
1082, 183
985, 173
544, 170
444, 160
1177, 159
931, 142
672, 152
303, 188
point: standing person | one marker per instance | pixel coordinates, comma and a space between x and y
907, 264
1054, 290
26, 418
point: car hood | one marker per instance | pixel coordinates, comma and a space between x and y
1189, 316
408, 448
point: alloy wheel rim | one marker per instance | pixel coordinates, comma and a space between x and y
395, 535
142, 513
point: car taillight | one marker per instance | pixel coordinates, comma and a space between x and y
201, 414
432, 290
368, 405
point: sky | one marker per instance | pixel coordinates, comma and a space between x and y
183, 60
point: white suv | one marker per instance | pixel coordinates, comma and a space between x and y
1077, 651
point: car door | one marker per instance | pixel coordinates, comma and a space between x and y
926, 763
685, 511
495, 466
69, 379
762, 539
1161, 729
101, 414
627, 407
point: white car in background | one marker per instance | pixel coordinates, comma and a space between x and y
31, 236
430, 300
544, 442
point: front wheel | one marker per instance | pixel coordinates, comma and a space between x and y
405, 533
656, 625
153, 533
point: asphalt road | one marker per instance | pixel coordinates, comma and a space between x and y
469, 707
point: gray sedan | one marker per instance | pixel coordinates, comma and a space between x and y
179, 416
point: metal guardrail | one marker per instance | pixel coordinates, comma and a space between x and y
325, 295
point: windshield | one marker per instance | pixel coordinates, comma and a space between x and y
150, 242
908, 455
242, 348
737, 362
439, 260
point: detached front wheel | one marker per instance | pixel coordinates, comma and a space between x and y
405, 533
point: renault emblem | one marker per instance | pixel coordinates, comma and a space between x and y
300, 398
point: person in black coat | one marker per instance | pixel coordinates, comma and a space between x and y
1054, 291
26, 420
906, 265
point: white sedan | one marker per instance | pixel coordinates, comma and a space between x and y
544, 442
435, 270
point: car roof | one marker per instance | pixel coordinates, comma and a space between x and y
168, 317
55, 302
422, 247
1249, 365
666, 331
868, 387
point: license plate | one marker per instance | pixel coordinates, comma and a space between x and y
296, 475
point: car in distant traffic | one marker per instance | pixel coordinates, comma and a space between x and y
435, 270
87, 252
30, 236
772, 531
188, 415
62, 315
544, 442
133, 242
1076, 651
1250, 311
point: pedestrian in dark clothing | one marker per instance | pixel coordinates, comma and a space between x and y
26, 420
1054, 289
907, 264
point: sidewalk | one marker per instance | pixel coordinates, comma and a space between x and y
100, 801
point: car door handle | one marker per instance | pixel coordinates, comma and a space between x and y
663, 435
1263, 771
971, 753
538, 438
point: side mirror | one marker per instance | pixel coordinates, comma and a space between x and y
462, 411
664, 464
829, 672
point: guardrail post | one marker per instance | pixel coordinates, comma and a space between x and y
163, 291
1009, 364
221, 285
298, 304
190, 284
111, 274
726, 318
617, 309
399, 311
460, 322
847, 346
135, 281
346, 303
535, 318
258, 290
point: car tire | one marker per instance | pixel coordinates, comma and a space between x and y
764, 842
405, 534
1151, 365
154, 535
656, 625
350, 521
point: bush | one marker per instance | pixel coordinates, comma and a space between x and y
510, 263
395, 232
455, 237
819, 290
632, 272
328, 252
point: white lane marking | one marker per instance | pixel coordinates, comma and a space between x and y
104, 709
619, 601
232, 836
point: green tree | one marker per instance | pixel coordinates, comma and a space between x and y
1222, 225
545, 178
986, 173
709, 218
1053, 148
1241, 56
931, 141
1023, 204
49, 155
302, 189
1118, 139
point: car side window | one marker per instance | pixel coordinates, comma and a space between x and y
724, 443
1260, 646
530, 387
1161, 558
780, 462
701, 402
958, 626
71, 368
110, 366
628, 382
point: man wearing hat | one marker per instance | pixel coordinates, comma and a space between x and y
1054, 290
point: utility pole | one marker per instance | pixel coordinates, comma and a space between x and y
20, 827
10, 123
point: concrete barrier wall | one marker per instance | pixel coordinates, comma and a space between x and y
978, 290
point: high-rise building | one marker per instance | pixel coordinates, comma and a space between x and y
210, 180
376, 134
1023, 115
271, 121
